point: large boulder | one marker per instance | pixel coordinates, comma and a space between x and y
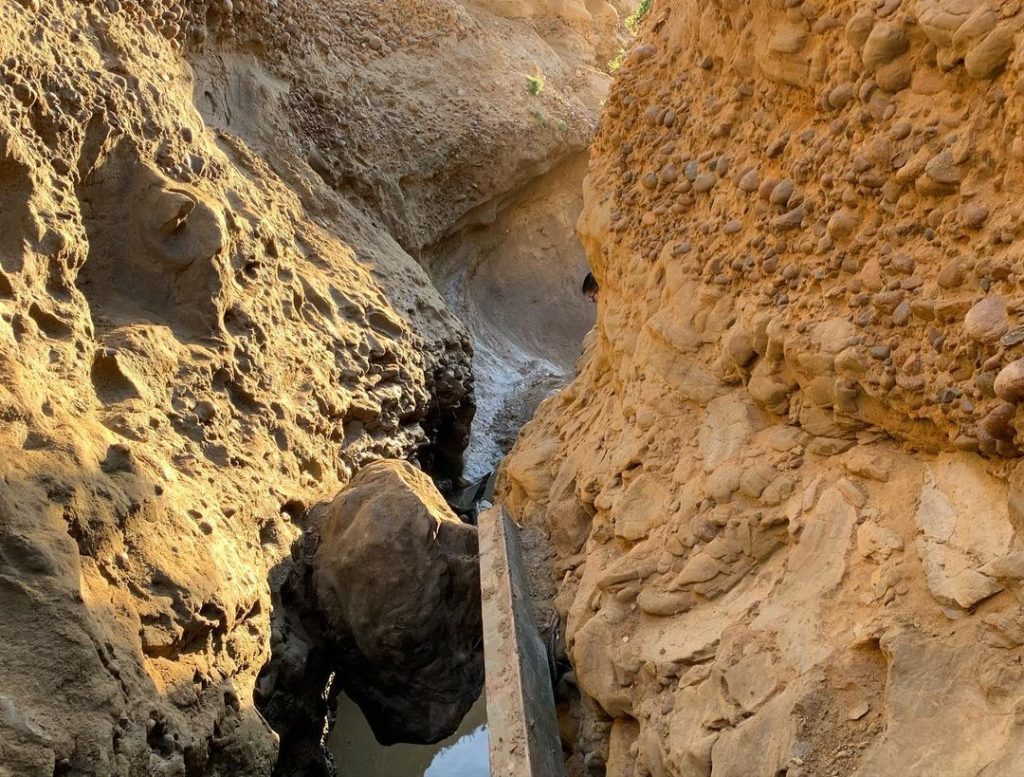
397, 581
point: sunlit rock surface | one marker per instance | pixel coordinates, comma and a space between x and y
783, 491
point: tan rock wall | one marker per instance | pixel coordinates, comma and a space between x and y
782, 489
208, 322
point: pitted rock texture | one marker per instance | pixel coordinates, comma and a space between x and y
397, 582
783, 491
210, 318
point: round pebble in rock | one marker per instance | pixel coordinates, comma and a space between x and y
987, 321
840, 96
1009, 383
781, 193
974, 215
951, 275
704, 182
749, 181
901, 315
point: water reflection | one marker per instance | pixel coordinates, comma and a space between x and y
466, 758
358, 754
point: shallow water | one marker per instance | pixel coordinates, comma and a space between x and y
358, 754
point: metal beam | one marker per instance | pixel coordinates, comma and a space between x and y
521, 721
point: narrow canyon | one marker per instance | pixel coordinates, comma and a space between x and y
279, 279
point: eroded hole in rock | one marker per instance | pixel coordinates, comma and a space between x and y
50, 325
109, 381
15, 216
153, 249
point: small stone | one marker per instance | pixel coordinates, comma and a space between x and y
988, 58
119, 458
663, 604
776, 147
852, 492
764, 191
782, 193
986, 383
205, 410
869, 465
858, 711
883, 44
951, 275
996, 432
901, 315
1014, 337
895, 76
790, 219
901, 130
704, 182
880, 352
842, 223
840, 96
974, 215
940, 168
886, 301
1009, 385
829, 446
750, 181
859, 28
640, 53
987, 321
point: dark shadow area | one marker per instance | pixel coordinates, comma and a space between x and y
296, 690
314, 659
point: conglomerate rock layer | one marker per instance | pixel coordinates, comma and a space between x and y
783, 493
210, 318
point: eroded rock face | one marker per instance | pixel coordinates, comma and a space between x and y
397, 583
210, 318
790, 460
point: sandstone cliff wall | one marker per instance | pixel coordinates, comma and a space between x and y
783, 491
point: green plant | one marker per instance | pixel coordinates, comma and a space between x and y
535, 84
540, 117
633, 22
616, 63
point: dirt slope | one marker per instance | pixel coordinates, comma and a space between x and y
783, 491
210, 318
